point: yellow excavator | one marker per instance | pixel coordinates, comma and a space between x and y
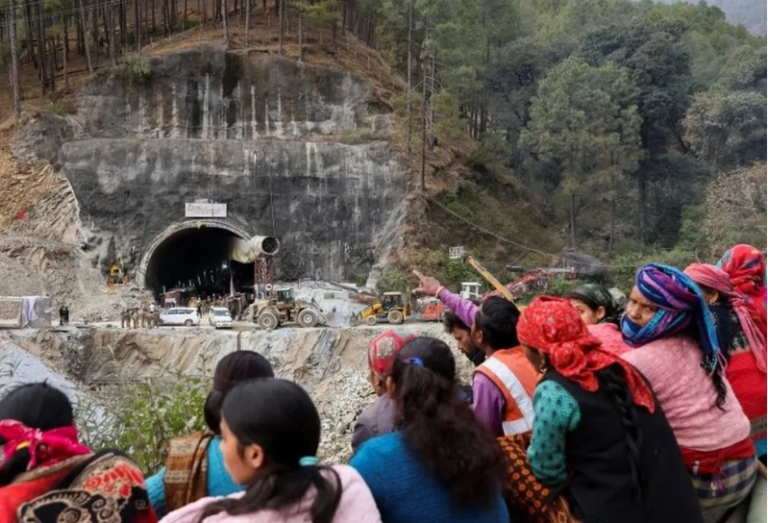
393, 307
490, 278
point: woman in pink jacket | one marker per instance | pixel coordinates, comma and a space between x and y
270, 434
678, 352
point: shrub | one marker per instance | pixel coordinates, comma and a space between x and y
139, 68
141, 418
360, 136
395, 279
60, 108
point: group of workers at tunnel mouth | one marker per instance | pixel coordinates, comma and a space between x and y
577, 412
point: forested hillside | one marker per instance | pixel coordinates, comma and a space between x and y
615, 116
750, 13
597, 124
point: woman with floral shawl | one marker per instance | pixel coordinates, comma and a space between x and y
47, 475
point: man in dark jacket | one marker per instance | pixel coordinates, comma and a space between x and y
379, 417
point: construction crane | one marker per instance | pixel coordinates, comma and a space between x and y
490, 278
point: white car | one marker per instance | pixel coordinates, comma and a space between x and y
186, 316
220, 318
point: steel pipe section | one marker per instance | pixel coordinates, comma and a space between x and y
247, 251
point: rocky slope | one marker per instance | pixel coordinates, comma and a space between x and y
330, 363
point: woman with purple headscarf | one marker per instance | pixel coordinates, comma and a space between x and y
678, 351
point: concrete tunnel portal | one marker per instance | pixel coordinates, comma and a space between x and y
204, 257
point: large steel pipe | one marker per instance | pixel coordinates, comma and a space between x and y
246, 251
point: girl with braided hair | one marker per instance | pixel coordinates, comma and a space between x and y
599, 435
677, 349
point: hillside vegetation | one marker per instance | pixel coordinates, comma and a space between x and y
603, 125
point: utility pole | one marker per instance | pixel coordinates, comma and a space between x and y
14, 69
408, 104
424, 120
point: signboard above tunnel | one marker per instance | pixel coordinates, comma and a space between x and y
205, 210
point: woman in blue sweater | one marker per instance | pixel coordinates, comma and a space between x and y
442, 465
194, 468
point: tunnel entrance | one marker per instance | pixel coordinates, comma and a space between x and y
196, 260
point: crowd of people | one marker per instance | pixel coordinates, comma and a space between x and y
578, 411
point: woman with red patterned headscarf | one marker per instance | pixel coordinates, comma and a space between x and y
379, 418
746, 267
47, 474
599, 434
742, 344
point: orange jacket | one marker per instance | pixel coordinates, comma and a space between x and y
516, 378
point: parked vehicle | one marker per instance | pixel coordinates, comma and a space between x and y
186, 316
220, 318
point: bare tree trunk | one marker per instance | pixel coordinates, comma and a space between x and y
66, 75
280, 9
14, 69
137, 24
95, 32
54, 61
573, 220
301, 34
85, 37
109, 13
30, 33
184, 17
424, 123
247, 19
154, 21
612, 237
408, 65
124, 26
41, 49
225, 27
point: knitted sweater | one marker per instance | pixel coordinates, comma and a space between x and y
556, 414
686, 393
219, 481
406, 492
356, 506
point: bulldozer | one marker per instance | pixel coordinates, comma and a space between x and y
281, 307
392, 306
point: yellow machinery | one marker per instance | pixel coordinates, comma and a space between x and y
490, 278
393, 306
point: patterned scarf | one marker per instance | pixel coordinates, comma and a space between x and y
680, 302
714, 278
382, 351
552, 326
45, 448
746, 267
596, 296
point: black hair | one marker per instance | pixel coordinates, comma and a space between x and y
279, 416
439, 427
452, 322
497, 319
615, 386
231, 370
38, 406
595, 296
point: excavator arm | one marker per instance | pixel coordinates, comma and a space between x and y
490, 278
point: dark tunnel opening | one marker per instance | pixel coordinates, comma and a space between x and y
197, 261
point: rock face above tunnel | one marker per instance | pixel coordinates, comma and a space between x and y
258, 133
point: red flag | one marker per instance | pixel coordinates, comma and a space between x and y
22, 215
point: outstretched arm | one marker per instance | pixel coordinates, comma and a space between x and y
462, 308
